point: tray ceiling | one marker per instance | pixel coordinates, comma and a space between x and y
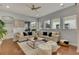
25, 8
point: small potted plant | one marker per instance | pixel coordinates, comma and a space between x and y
2, 31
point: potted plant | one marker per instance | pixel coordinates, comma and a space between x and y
2, 31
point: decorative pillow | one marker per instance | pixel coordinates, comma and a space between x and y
45, 33
50, 34
29, 33
24, 33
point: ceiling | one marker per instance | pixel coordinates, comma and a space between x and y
24, 8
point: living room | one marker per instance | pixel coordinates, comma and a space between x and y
41, 26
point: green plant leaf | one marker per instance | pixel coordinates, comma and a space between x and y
2, 30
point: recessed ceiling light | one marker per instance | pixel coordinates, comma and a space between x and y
61, 4
7, 6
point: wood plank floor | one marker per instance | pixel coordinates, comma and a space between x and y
9, 47
67, 50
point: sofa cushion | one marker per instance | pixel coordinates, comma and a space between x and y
29, 33
45, 33
50, 34
24, 33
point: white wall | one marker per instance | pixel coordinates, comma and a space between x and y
77, 11
70, 35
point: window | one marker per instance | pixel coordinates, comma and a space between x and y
33, 25
47, 24
69, 22
57, 26
56, 23
66, 26
41, 24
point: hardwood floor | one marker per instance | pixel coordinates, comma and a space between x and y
67, 50
9, 47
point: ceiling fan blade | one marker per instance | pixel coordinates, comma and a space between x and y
32, 7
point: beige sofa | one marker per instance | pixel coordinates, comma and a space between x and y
55, 36
19, 37
40, 50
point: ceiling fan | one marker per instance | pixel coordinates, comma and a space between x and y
34, 7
